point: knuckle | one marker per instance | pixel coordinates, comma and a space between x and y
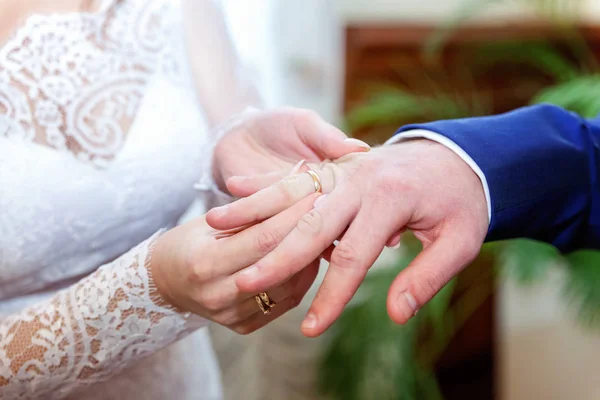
193, 271
213, 302
267, 241
311, 223
391, 184
285, 188
199, 264
200, 273
429, 283
345, 255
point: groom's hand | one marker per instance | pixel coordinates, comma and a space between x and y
259, 142
417, 185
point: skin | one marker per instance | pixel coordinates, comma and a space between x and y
195, 267
257, 142
261, 142
371, 197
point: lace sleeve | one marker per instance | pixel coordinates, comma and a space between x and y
90, 331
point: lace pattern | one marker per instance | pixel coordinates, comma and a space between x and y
74, 82
88, 332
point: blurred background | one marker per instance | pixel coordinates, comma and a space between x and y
522, 321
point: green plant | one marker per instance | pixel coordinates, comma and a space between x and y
368, 357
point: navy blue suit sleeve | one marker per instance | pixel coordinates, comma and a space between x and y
541, 164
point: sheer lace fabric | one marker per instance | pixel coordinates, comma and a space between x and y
97, 124
88, 332
74, 82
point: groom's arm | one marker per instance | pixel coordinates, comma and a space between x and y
538, 167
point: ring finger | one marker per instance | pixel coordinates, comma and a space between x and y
303, 282
248, 306
271, 200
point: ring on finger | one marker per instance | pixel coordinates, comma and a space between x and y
264, 302
316, 181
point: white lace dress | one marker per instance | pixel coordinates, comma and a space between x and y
101, 141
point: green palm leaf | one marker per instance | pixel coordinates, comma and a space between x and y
562, 13
582, 288
393, 106
526, 261
540, 55
581, 95
369, 357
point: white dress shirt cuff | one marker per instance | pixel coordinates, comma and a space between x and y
436, 137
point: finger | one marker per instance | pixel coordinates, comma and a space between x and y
258, 319
250, 245
313, 233
327, 141
327, 253
394, 241
246, 306
223, 294
243, 186
220, 234
429, 272
263, 204
353, 256
268, 201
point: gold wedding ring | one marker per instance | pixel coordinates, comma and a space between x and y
316, 181
264, 303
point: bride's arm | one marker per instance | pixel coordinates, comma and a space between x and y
161, 290
89, 331
255, 142
222, 84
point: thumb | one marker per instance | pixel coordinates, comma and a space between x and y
429, 272
326, 140
333, 146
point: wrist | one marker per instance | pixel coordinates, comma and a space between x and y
222, 149
156, 265
217, 167
423, 134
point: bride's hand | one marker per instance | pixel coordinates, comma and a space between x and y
259, 142
195, 267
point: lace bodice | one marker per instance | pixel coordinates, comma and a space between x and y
101, 140
74, 82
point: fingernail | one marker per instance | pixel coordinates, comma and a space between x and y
359, 143
250, 273
310, 322
396, 246
220, 210
319, 200
297, 167
407, 299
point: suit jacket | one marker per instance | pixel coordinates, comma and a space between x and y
541, 164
